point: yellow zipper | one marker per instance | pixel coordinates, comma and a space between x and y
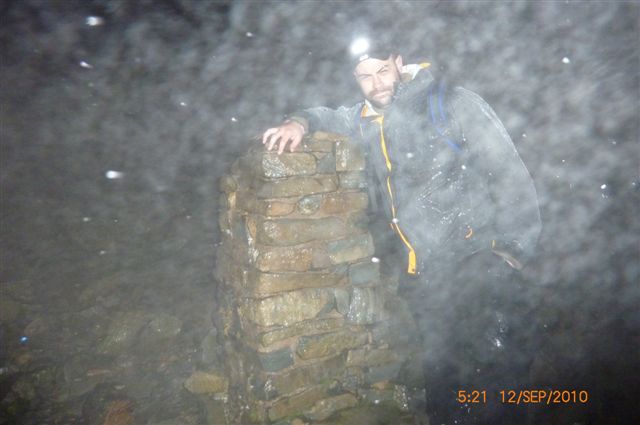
411, 266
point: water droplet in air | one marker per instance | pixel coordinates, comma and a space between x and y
94, 21
566, 60
86, 65
114, 174
375, 260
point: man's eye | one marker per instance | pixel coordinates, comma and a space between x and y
384, 71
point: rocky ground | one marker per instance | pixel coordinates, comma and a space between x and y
97, 343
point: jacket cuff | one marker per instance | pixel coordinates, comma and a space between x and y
300, 120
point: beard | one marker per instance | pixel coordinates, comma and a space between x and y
381, 99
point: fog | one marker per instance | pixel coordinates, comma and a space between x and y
118, 118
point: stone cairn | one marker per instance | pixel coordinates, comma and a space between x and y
308, 325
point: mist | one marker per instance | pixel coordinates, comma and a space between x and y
117, 119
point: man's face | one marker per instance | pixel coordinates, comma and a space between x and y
378, 80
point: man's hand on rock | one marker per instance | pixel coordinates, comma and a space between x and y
290, 131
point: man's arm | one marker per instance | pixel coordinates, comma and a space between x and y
321, 118
499, 167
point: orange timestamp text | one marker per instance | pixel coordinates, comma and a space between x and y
532, 396
547, 396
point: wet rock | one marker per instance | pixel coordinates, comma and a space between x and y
270, 283
119, 412
216, 410
298, 231
309, 204
399, 328
288, 164
326, 163
106, 399
323, 409
412, 373
187, 418
162, 328
344, 202
9, 310
342, 296
401, 397
312, 144
286, 308
304, 376
364, 273
349, 157
289, 258
123, 332
37, 326
307, 327
20, 291
352, 180
416, 398
365, 306
276, 360
382, 373
82, 373
377, 395
374, 414
370, 357
228, 184
103, 289
353, 379
329, 344
296, 186
210, 348
246, 201
276, 208
296, 403
25, 388
206, 383
350, 249
17, 403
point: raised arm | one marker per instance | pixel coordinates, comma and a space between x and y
321, 118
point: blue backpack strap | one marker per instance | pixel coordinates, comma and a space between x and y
438, 113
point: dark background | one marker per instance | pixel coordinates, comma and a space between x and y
169, 92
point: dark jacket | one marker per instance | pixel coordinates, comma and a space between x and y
450, 176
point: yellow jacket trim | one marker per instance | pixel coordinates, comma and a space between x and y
412, 261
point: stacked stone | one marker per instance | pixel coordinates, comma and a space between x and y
309, 327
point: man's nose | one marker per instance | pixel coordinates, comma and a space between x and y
377, 82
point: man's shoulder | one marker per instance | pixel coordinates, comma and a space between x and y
340, 109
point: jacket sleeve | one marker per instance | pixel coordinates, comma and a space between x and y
321, 118
506, 180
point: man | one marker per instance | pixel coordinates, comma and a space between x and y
463, 210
